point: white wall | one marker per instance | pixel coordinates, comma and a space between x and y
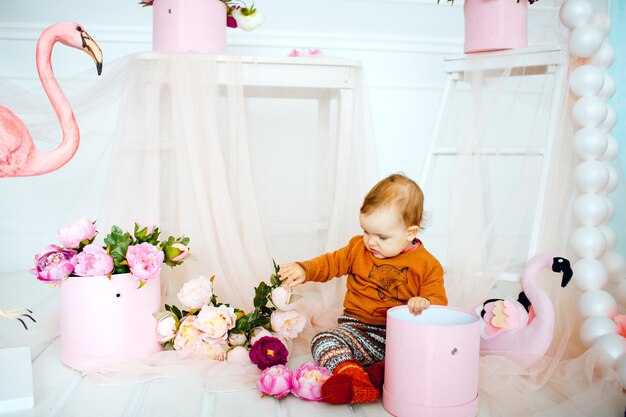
400, 42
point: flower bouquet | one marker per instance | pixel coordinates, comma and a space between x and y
141, 254
238, 14
222, 332
108, 293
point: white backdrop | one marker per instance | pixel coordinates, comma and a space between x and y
401, 44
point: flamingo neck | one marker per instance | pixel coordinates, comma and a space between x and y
537, 296
43, 162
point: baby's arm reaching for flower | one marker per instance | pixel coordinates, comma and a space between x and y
417, 305
292, 274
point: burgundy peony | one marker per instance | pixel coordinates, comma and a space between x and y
268, 351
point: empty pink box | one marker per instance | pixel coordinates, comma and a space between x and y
104, 319
431, 363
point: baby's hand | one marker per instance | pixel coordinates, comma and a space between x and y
292, 274
417, 305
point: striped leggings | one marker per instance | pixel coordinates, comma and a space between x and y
350, 340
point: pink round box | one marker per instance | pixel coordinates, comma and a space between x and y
189, 26
104, 319
492, 25
431, 363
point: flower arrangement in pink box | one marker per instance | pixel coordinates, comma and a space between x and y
141, 253
221, 332
238, 14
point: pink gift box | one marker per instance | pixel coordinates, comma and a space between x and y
492, 25
431, 363
189, 25
107, 319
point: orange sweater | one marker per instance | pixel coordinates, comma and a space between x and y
375, 285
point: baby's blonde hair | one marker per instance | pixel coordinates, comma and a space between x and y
398, 191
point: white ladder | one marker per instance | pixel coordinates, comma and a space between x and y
550, 60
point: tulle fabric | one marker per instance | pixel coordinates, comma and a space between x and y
179, 141
481, 212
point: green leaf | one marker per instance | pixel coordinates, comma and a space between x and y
176, 311
260, 294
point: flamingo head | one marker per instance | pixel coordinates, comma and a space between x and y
562, 265
74, 35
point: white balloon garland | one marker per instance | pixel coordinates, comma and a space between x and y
594, 240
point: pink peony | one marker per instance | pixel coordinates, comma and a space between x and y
82, 230
275, 381
287, 324
196, 292
54, 264
215, 322
307, 381
144, 261
178, 252
92, 261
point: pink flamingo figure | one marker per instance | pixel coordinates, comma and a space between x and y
508, 328
18, 155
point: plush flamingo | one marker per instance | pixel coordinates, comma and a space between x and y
18, 155
507, 328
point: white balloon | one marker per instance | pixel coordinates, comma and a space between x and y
611, 346
586, 80
585, 40
574, 13
611, 207
615, 265
604, 57
597, 303
612, 149
589, 111
588, 242
620, 365
591, 176
589, 274
589, 143
595, 327
608, 89
611, 119
613, 181
591, 209
610, 236
620, 293
602, 21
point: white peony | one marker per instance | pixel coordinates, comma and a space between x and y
287, 324
250, 21
215, 322
196, 293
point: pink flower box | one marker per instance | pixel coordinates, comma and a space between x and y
431, 363
189, 26
492, 25
104, 319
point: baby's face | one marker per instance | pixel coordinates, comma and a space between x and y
384, 232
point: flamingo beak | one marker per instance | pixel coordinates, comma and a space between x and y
93, 50
563, 265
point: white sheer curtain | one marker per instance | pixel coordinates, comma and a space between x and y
483, 202
180, 141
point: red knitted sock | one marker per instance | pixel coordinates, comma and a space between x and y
349, 384
376, 375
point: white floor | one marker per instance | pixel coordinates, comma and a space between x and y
61, 391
